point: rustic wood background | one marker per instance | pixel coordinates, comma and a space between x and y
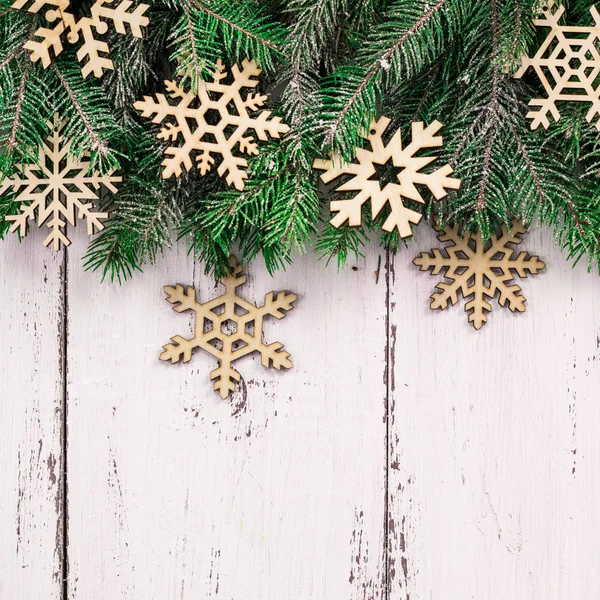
406, 456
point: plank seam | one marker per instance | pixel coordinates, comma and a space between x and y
386, 500
64, 551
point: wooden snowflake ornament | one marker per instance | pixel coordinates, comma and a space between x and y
67, 26
215, 320
57, 190
567, 64
213, 123
479, 270
407, 168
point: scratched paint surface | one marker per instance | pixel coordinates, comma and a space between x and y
31, 400
406, 456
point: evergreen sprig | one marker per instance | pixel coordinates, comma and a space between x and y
330, 66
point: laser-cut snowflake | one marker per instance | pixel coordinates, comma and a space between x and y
567, 65
67, 26
212, 328
408, 167
213, 122
479, 270
54, 188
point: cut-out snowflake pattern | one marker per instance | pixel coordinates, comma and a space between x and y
479, 270
407, 173
228, 327
212, 123
67, 26
56, 188
567, 64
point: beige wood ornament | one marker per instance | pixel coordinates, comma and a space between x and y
479, 270
57, 189
213, 123
567, 64
66, 25
228, 327
407, 173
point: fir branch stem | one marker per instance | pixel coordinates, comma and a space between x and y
201, 6
157, 212
16, 52
485, 173
300, 111
492, 108
12, 140
97, 143
377, 66
294, 204
427, 89
538, 184
190, 30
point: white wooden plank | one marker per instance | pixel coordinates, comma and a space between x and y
31, 394
276, 493
494, 439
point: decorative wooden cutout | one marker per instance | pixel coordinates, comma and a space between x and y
407, 169
86, 27
567, 64
479, 270
54, 189
213, 122
225, 334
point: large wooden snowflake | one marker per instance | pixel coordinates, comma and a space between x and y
66, 25
479, 270
370, 185
55, 190
567, 64
212, 123
228, 327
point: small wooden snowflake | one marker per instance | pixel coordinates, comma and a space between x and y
228, 327
479, 271
407, 167
67, 26
57, 189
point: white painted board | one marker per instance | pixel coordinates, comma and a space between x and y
494, 438
405, 455
277, 492
31, 403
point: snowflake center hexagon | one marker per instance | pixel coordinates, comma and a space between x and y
575, 63
212, 116
232, 338
228, 327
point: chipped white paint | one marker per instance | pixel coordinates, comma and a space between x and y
31, 394
494, 440
482, 482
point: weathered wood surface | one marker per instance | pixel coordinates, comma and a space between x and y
406, 456
31, 418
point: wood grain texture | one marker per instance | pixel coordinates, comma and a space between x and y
277, 492
494, 449
404, 457
31, 401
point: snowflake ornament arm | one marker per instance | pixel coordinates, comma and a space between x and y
91, 48
218, 135
479, 270
213, 328
567, 64
408, 167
